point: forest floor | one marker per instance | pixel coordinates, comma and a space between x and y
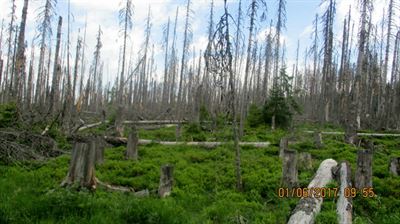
204, 183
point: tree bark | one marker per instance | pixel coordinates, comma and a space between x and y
308, 207
166, 181
289, 169
363, 177
283, 145
132, 145
81, 169
344, 205
394, 166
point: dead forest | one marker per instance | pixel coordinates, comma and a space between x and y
241, 82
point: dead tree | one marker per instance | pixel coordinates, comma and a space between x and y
20, 63
218, 58
55, 87
166, 180
344, 205
308, 207
363, 177
283, 145
81, 169
132, 145
289, 169
394, 166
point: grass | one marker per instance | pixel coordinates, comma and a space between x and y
204, 182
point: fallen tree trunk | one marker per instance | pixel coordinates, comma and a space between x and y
142, 193
308, 207
123, 141
344, 205
358, 134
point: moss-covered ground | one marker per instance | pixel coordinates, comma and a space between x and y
204, 187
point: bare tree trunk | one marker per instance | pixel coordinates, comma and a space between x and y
166, 181
19, 77
55, 91
308, 207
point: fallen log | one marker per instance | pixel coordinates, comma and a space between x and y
344, 205
358, 134
123, 141
308, 207
142, 193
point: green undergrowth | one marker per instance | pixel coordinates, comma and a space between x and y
204, 183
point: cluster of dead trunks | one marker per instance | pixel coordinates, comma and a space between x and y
309, 206
89, 151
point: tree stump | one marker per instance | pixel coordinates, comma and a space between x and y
305, 161
166, 181
81, 169
308, 207
394, 166
100, 146
289, 169
283, 145
363, 178
318, 140
350, 135
344, 205
132, 145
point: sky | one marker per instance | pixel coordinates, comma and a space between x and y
104, 13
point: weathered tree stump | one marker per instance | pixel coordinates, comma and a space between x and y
166, 181
344, 205
283, 145
132, 145
100, 146
363, 178
318, 140
305, 161
289, 169
308, 207
81, 169
350, 135
394, 166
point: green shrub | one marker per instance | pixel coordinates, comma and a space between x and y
8, 115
